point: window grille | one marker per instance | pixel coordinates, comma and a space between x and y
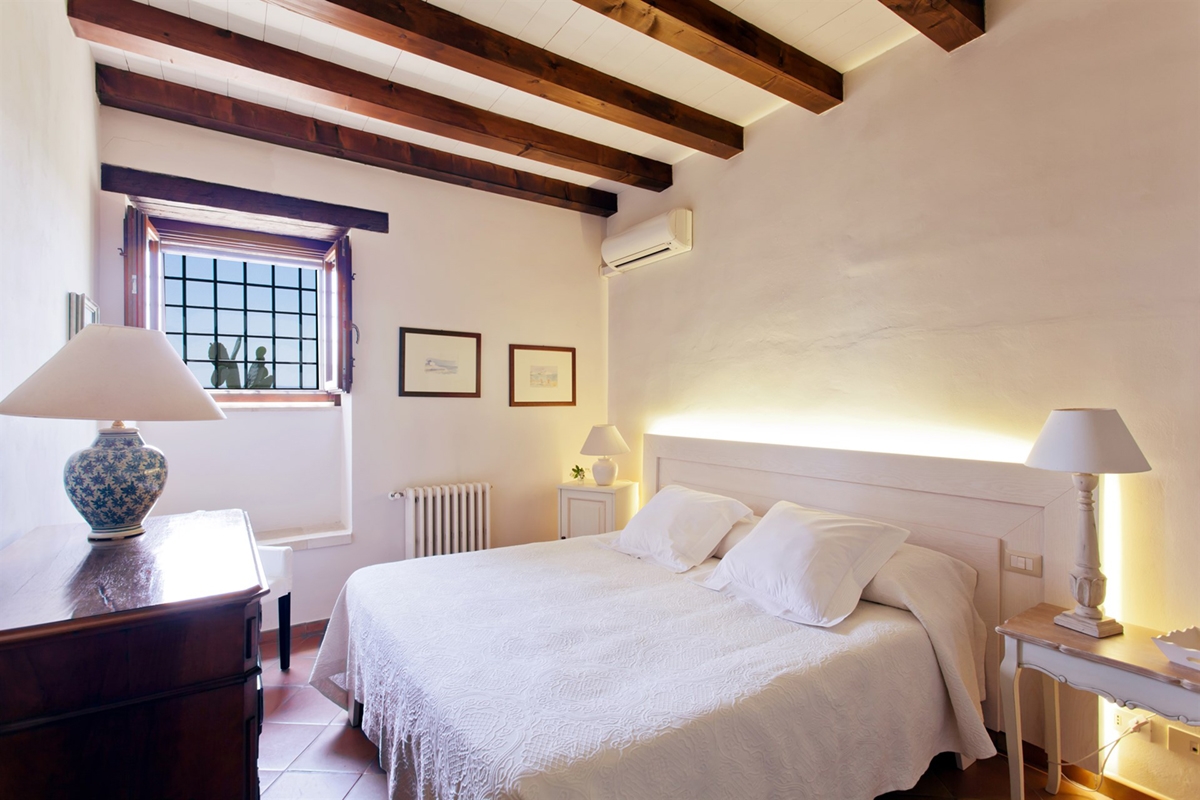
243, 324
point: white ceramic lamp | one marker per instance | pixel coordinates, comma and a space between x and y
604, 441
1087, 442
110, 372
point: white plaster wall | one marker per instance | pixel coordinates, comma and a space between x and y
455, 259
283, 466
48, 184
969, 241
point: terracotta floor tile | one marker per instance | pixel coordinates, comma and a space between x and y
306, 705
293, 785
927, 786
306, 646
338, 749
301, 668
266, 777
269, 650
274, 697
369, 787
280, 744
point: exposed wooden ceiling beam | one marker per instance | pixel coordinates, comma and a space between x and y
950, 23
173, 101
434, 33
176, 39
707, 31
137, 183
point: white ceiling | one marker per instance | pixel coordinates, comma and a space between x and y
841, 33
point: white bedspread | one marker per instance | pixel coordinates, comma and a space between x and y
564, 670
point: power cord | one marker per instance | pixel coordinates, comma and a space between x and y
1137, 725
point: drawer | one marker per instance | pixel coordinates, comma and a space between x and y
66, 672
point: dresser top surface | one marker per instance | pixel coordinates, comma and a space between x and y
53, 577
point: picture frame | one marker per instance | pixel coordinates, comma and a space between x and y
540, 375
435, 363
81, 312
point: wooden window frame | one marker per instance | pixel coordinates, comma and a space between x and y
148, 239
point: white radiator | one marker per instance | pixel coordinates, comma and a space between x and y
446, 519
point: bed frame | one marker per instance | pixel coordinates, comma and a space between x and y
976, 511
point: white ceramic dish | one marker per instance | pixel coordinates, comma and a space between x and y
1182, 647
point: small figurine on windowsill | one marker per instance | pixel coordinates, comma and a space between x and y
257, 374
577, 473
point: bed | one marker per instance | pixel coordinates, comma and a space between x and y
568, 670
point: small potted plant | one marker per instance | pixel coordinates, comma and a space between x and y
577, 473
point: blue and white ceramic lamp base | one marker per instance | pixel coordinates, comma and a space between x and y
115, 483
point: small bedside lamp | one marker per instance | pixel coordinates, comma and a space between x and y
113, 372
604, 441
1087, 442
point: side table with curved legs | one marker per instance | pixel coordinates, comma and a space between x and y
1127, 669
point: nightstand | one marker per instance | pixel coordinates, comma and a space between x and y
585, 509
1127, 669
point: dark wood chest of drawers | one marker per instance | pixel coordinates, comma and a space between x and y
131, 670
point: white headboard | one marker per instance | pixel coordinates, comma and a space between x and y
972, 510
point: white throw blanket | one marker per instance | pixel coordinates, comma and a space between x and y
564, 670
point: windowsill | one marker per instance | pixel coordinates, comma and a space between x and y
251, 399
304, 538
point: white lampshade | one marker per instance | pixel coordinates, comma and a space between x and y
604, 440
1086, 440
111, 372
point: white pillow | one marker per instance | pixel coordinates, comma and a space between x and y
738, 532
804, 565
679, 527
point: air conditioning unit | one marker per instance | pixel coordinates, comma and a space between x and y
663, 236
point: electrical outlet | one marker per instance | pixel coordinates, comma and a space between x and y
1184, 742
1024, 563
1126, 719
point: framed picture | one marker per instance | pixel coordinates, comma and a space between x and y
541, 376
439, 363
81, 312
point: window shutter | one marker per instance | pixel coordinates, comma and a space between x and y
142, 303
345, 278
135, 265
339, 273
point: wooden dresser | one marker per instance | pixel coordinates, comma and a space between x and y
131, 670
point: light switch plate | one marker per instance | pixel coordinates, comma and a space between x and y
1023, 563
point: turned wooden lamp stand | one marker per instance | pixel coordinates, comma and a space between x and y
1087, 442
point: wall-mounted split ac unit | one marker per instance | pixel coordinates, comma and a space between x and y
663, 236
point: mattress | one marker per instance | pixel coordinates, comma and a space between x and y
568, 670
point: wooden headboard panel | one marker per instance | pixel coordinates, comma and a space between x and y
973, 510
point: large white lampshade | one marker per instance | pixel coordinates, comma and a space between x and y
604, 441
110, 372
1091, 440
1087, 442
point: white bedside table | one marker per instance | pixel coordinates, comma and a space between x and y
585, 509
1127, 669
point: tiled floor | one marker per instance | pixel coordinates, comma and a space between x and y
308, 752
985, 780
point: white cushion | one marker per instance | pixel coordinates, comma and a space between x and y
680, 527
804, 565
739, 531
277, 566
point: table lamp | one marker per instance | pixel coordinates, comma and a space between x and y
604, 441
110, 372
1087, 442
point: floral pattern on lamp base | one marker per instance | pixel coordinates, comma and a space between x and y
115, 483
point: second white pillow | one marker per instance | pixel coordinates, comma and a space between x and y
806, 566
